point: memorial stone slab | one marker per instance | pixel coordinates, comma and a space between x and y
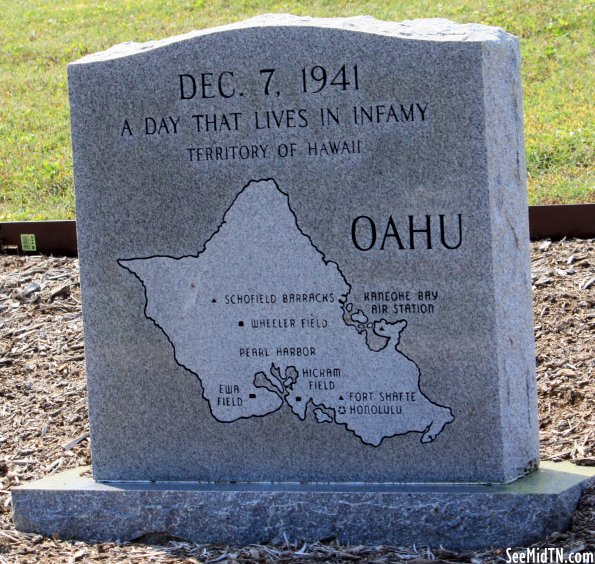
304, 261
304, 254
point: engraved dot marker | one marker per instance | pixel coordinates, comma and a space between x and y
241, 323
252, 396
298, 398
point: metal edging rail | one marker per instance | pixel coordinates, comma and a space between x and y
58, 238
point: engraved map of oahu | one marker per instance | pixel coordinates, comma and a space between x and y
264, 320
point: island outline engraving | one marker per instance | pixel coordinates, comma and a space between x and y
373, 390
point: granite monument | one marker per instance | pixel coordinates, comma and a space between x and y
304, 254
304, 258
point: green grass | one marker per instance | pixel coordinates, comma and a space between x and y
39, 37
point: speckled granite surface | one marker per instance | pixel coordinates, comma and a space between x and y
393, 158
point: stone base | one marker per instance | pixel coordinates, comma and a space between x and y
456, 516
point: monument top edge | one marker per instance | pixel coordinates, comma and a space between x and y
424, 29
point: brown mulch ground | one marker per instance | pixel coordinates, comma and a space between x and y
44, 426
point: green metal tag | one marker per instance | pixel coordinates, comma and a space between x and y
28, 242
